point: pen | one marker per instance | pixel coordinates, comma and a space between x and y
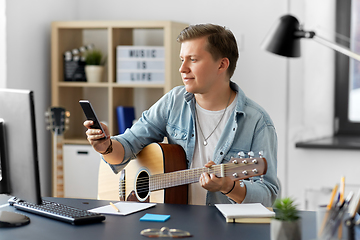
342, 189
116, 209
355, 206
342, 192
328, 207
332, 197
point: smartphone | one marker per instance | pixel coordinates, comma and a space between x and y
91, 115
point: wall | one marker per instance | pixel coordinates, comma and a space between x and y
28, 62
312, 109
2, 44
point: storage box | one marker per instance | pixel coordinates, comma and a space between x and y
81, 170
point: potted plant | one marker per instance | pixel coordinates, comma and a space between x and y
93, 68
286, 224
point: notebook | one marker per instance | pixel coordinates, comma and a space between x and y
246, 213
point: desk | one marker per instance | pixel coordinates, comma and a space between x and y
202, 222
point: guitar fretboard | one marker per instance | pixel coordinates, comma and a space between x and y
172, 179
166, 180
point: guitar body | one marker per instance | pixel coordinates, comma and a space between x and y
156, 158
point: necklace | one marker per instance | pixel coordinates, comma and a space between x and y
206, 138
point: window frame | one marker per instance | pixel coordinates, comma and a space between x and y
342, 68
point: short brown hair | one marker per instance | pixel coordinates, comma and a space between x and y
221, 41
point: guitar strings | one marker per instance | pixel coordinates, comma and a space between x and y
142, 189
188, 173
161, 181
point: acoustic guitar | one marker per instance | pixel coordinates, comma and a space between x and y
159, 174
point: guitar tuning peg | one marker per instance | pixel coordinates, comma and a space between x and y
242, 183
261, 154
251, 154
251, 180
235, 161
241, 154
262, 178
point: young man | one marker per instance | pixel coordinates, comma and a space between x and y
210, 117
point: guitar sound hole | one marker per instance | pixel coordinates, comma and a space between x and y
142, 184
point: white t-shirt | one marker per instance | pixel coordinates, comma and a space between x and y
203, 154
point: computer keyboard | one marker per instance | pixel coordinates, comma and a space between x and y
58, 211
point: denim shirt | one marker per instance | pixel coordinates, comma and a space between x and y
248, 129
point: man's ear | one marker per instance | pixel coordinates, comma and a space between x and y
224, 65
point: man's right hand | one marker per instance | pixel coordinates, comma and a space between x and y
94, 136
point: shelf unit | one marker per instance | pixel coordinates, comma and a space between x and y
108, 94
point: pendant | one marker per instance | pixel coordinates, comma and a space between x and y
205, 143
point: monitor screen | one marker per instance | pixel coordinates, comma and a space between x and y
18, 146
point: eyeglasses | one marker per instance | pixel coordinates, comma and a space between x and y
165, 232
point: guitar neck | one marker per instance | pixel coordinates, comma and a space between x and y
58, 166
236, 170
172, 179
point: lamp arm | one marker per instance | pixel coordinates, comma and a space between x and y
336, 47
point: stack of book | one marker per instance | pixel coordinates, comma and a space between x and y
140, 64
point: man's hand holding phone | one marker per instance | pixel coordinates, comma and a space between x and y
97, 133
97, 138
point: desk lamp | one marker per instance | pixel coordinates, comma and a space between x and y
284, 39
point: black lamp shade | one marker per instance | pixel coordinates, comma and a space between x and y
282, 39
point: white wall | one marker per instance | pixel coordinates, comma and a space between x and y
28, 61
2, 44
261, 75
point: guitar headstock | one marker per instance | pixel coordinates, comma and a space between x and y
246, 167
57, 120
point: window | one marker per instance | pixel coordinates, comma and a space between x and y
347, 82
347, 76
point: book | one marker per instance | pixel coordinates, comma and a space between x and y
246, 213
125, 117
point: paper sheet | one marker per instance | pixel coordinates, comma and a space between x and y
124, 207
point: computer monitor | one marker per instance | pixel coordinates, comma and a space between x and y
18, 146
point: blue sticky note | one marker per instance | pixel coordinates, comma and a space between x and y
154, 217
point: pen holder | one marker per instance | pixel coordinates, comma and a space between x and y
328, 222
